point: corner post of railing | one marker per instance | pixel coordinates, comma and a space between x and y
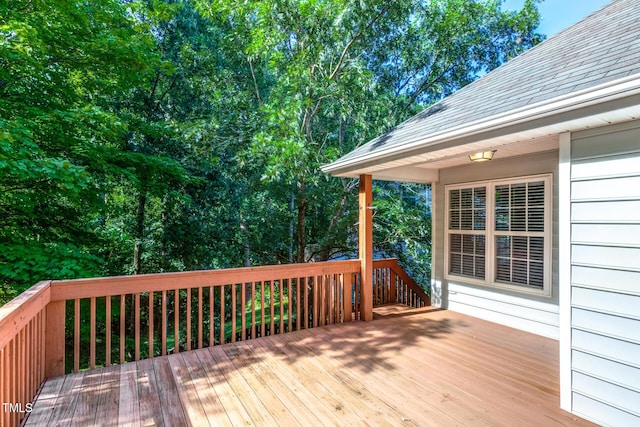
54, 338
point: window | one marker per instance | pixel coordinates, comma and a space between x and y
499, 233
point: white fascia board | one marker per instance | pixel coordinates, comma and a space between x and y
606, 92
408, 174
397, 174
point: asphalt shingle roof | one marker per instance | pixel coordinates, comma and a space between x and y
603, 47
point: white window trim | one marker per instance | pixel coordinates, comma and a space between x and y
489, 232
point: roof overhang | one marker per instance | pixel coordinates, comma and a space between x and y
419, 160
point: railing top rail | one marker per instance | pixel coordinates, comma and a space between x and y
18, 312
118, 285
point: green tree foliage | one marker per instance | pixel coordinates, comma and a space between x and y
163, 135
56, 58
341, 72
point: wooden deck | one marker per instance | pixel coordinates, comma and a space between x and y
428, 368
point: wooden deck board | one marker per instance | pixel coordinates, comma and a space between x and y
108, 408
150, 411
173, 409
246, 395
47, 400
426, 368
128, 406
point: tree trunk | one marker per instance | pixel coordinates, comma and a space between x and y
244, 228
292, 207
302, 213
139, 233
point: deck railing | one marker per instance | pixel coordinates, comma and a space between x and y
391, 284
58, 327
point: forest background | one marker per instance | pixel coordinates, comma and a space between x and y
152, 136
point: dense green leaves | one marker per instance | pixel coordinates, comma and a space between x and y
160, 135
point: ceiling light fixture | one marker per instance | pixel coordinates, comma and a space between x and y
483, 156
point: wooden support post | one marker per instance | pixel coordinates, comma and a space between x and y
365, 247
54, 339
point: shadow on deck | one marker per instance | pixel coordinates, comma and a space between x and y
416, 367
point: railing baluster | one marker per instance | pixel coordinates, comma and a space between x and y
107, 338
289, 309
43, 346
243, 310
314, 301
298, 302
28, 358
323, 284
200, 319
253, 310
222, 314
35, 355
337, 298
165, 325
11, 372
76, 335
272, 307
234, 313
21, 367
392, 283
92, 333
188, 319
281, 296
176, 321
305, 307
331, 295
122, 329
262, 325
136, 326
151, 351
329, 284
212, 323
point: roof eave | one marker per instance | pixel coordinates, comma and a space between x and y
615, 94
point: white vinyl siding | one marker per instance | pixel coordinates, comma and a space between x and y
499, 233
605, 275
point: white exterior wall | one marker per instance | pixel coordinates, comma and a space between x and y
531, 313
604, 308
